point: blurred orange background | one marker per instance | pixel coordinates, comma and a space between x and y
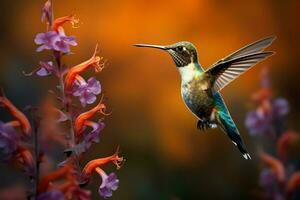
167, 157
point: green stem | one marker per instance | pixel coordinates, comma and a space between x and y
36, 155
66, 102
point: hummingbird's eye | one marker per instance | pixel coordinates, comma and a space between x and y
180, 48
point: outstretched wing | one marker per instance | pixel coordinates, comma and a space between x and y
226, 123
227, 69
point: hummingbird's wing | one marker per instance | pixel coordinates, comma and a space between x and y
229, 68
226, 123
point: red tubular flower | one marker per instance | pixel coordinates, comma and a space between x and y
110, 182
82, 120
66, 184
26, 159
61, 20
285, 141
293, 183
14, 111
93, 164
76, 70
63, 172
275, 165
264, 94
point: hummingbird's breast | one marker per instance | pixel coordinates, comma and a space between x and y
198, 97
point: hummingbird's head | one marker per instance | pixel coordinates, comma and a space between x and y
183, 53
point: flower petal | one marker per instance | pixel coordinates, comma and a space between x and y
280, 106
51, 195
94, 85
43, 72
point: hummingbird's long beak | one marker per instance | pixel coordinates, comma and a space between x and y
151, 46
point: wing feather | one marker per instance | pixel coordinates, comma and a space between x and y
231, 67
252, 48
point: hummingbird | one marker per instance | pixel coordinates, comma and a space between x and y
200, 89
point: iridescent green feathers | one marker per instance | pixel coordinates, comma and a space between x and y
227, 125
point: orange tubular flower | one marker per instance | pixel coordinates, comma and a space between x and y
26, 159
285, 141
21, 118
276, 166
82, 120
93, 164
293, 183
60, 173
94, 61
61, 20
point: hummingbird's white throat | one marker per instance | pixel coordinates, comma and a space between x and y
188, 72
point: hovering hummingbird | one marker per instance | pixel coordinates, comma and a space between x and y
200, 89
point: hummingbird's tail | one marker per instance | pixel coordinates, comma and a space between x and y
228, 126
226, 123
236, 139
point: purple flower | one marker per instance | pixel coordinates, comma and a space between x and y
64, 42
93, 136
45, 69
46, 40
8, 141
51, 195
269, 183
87, 91
47, 12
280, 107
263, 121
55, 41
267, 179
109, 184
89, 138
258, 122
